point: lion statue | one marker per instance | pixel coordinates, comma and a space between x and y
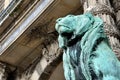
87, 53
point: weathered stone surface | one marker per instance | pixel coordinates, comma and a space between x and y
4, 71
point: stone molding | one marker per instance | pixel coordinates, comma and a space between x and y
51, 52
23, 26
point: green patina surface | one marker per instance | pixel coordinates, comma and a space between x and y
87, 53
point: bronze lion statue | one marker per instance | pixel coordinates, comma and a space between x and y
87, 53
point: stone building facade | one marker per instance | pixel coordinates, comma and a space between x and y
28, 41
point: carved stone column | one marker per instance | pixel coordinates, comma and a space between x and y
116, 6
103, 9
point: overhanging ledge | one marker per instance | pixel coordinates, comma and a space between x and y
42, 5
28, 45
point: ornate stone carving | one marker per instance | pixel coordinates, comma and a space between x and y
40, 31
109, 30
50, 52
87, 53
3, 72
101, 9
116, 5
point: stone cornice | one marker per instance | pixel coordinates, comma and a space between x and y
30, 18
13, 17
5, 13
17, 21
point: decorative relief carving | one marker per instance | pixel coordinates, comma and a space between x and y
40, 31
109, 30
3, 72
101, 9
50, 46
50, 52
116, 5
43, 32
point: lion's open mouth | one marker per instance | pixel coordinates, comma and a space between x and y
74, 40
67, 35
71, 37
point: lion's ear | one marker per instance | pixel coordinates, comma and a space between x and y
90, 16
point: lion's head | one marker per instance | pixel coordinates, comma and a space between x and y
72, 27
